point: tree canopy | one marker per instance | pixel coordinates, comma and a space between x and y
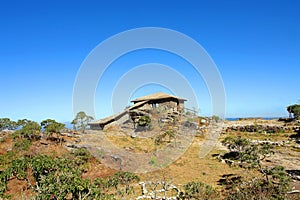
50, 126
8, 124
81, 121
29, 131
295, 110
5, 123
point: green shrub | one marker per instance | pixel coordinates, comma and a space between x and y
274, 186
82, 155
255, 189
153, 161
31, 131
21, 145
61, 178
4, 176
199, 190
19, 167
144, 121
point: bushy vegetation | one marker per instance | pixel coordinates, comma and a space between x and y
144, 120
50, 127
245, 153
6, 123
60, 178
30, 130
159, 139
295, 110
259, 188
22, 144
274, 182
81, 156
51, 177
198, 190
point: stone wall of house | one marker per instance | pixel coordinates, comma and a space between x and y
145, 107
119, 120
96, 127
169, 104
181, 104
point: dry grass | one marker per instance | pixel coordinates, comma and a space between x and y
95, 169
189, 167
137, 145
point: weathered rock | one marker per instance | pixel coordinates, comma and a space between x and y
44, 142
69, 145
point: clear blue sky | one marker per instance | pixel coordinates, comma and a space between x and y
255, 44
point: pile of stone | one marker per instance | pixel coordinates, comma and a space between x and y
296, 129
275, 143
155, 193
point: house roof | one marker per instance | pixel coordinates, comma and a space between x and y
156, 96
109, 119
113, 117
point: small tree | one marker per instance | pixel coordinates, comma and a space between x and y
81, 121
295, 110
125, 178
74, 122
22, 122
248, 155
4, 123
199, 190
30, 131
275, 183
51, 127
215, 118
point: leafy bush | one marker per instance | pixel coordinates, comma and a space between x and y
50, 127
159, 139
275, 182
4, 176
117, 182
60, 178
153, 161
199, 190
82, 155
256, 189
247, 154
19, 167
31, 130
125, 178
144, 120
6, 123
216, 118
295, 110
21, 145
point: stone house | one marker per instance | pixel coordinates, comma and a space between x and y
142, 106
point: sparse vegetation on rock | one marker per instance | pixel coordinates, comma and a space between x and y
275, 181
